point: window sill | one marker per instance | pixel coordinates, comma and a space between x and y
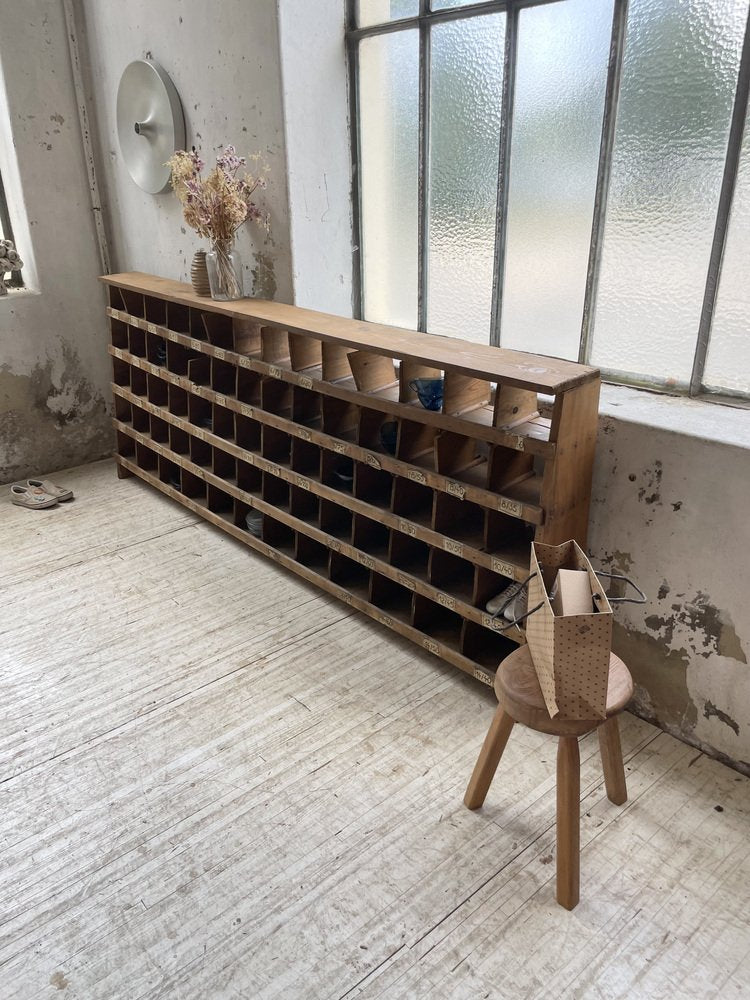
677, 414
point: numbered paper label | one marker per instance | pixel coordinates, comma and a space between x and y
304, 484
405, 581
305, 382
484, 677
446, 601
371, 460
366, 561
456, 490
416, 476
431, 645
407, 528
510, 506
274, 372
503, 568
221, 400
455, 547
246, 411
219, 353
340, 447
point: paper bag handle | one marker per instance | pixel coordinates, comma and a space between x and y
641, 599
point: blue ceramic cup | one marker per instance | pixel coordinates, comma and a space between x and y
429, 391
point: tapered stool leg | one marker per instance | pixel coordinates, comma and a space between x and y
614, 769
568, 821
489, 758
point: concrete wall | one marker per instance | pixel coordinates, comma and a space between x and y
669, 510
223, 58
53, 357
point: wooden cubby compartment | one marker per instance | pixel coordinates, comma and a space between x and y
415, 517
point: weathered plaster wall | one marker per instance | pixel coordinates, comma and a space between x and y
53, 362
224, 61
670, 509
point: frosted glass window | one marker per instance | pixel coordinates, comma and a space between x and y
465, 104
561, 79
443, 4
728, 361
377, 11
678, 85
389, 158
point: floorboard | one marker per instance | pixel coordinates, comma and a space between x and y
218, 783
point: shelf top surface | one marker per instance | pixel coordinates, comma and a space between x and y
497, 364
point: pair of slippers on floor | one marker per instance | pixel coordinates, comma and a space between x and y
39, 493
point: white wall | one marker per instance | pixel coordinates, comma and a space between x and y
223, 58
54, 369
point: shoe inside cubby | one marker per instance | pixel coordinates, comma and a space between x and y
246, 336
121, 372
170, 473
336, 471
132, 302
119, 334
138, 382
248, 386
459, 519
275, 445
241, 510
159, 430
179, 440
156, 349
178, 318
223, 422
275, 491
437, 622
514, 406
373, 373
276, 397
155, 310
304, 352
416, 444
199, 369
412, 500
126, 445
391, 597
306, 407
409, 554
193, 486
408, 372
123, 409
141, 420
305, 458
350, 575
225, 465
158, 391
304, 504
461, 458
485, 646
201, 453
467, 397
145, 458
508, 538
219, 330
220, 502
335, 520
451, 574
375, 486
248, 432
177, 400
223, 377
340, 418
137, 341
487, 585
199, 411
369, 430
277, 534
310, 553
335, 363
370, 536
508, 467
274, 346
249, 477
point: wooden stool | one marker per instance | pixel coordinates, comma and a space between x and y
520, 697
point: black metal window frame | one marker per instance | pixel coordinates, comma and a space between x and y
16, 278
423, 22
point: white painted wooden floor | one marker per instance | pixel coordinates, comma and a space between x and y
217, 783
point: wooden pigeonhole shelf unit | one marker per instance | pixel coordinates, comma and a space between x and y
254, 405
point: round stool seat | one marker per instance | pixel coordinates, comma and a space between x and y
518, 691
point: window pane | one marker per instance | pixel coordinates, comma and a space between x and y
678, 84
442, 4
465, 97
728, 362
377, 11
561, 79
389, 148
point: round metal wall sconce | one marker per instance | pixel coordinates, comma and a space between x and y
150, 123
